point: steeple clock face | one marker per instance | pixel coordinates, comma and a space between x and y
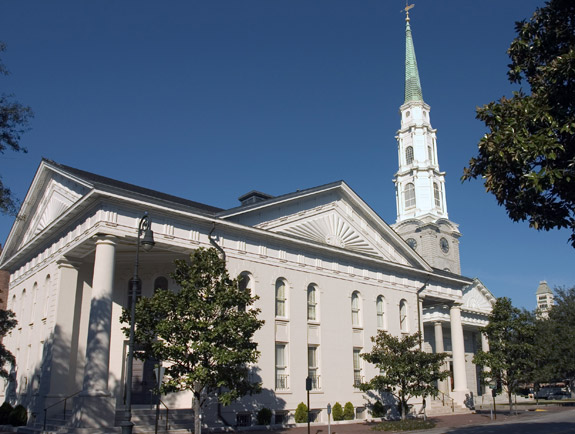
444, 244
412, 243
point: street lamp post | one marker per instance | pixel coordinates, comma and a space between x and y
147, 242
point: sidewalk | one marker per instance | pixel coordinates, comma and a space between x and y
451, 421
442, 422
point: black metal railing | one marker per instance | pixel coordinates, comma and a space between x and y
65, 401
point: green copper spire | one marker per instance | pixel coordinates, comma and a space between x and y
412, 85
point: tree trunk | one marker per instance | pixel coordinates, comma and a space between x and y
510, 400
197, 415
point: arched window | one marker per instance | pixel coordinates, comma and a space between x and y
311, 303
160, 284
380, 308
355, 318
281, 298
437, 194
403, 320
34, 302
409, 195
23, 304
245, 281
47, 283
245, 284
409, 155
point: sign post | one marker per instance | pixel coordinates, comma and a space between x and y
328, 418
308, 388
494, 394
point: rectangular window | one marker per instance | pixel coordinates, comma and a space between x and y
357, 375
243, 419
281, 367
280, 418
313, 366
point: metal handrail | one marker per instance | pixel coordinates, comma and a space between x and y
443, 396
167, 416
56, 403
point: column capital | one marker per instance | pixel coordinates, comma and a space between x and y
456, 305
105, 239
68, 263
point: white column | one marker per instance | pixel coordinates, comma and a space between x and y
63, 361
484, 348
458, 353
484, 342
420, 319
98, 346
443, 385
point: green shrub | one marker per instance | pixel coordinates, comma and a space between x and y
5, 410
18, 416
264, 416
337, 411
301, 413
348, 412
378, 409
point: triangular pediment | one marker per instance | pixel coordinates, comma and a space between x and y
332, 215
477, 298
52, 193
332, 227
57, 197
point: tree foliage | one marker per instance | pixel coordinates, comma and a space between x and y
406, 370
14, 121
7, 323
511, 334
527, 159
555, 340
201, 333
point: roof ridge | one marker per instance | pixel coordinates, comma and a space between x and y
94, 178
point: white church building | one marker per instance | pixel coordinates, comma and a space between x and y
329, 273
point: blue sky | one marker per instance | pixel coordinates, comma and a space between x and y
211, 99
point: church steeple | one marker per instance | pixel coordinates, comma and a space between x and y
422, 218
420, 186
412, 84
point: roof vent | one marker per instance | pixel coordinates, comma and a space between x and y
253, 197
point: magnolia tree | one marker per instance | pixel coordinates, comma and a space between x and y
555, 340
526, 159
405, 370
512, 356
202, 332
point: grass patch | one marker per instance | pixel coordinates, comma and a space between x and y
404, 425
